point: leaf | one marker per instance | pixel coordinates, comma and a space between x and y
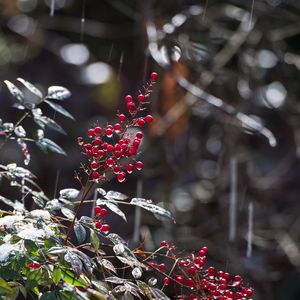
151, 207
131, 261
59, 109
46, 144
70, 194
38, 201
58, 93
80, 233
71, 278
57, 250
115, 195
53, 205
31, 88
43, 121
59, 295
94, 239
113, 207
87, 261
74, 262
145, 288
86, 220
14, 91
115, 279
106, 264
56, 275
101, 191
20, 131
158, 294
68, 213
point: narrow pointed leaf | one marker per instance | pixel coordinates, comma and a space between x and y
80, 233
59, 109
15, 91
31, 88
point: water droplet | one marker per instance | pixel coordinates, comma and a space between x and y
136, 273
152, 281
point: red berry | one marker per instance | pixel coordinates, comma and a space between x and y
117, 154
97, 141
226, 275
148, 118
136, 143
141, 98
139, 165
132, 151
130, 106
110, 148
103, 212
205, 249
95, 175
180, 279
87, 146
190, 282
104, 145
109, 132
110, 161
141, 122
129, 168
98, 130
105, 227
181, 262
100, 153
122, 118
98, 225
237, 278
117, 127
162, 267
249, 292
128, 98
97, 210
34, 266
90, 132
211, 271
139, 135
166, 281
154, 76
116, 168
94, 165
164, 244
201, 253
192, 270
121, 176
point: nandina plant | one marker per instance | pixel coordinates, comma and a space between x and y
38, 258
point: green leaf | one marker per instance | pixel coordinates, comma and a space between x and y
46, 144
71, 278
58, 93
14, 91
56, 275
94, 240
80, 233
59, 109
59, 295
31, 247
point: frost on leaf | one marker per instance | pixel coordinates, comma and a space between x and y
34, 234
112, 195
40, 214
58, 93
68, 213
69, 194
6, 250
10, 221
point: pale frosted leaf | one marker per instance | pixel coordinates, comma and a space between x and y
31, 88
20, 131
68, 213
101, 191
115, 279
112, 195
14, 91
70, 193
80, 233
58, 93
59, 109
106, 264
74, 261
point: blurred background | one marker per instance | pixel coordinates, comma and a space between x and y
223, 152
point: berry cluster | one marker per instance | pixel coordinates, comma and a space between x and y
199, 282
100, 212
114, 147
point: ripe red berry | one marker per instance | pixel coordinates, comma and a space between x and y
94, 165
97, 141
205, 249
100, 153
192, 270
97, 210
117, 127
162, 267
164, 244
132, 151
34, 266
139, 165
139, 135
148, 118
87, 146
154, 76
95, 175
249, 292
141, 98
105, 227
128, 98
90, 132
166, 281
129, 168
110, 148
130, 106
98, 225
141, 122
122, 118
110, 161
98, 130
201, 253
190, 282
211, 271
180, 279
121, 176
109, 132
116, 168
237, 278
103, 212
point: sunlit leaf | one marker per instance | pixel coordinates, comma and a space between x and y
106, 264
70, 193
94, 239
14, 91
31, 88
113, 207
115, 279
115, 195
71, 278
58, 93
56, 275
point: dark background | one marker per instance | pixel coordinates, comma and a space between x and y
198, 158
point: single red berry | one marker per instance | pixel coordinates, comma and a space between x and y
117, 154
141, 122
211, 271
180, 279
148, 118
223, 286
166, 281
98, 225
110, 161
100, 153
34, 266
129, 168
130, 106
95, 175
95, 149
132, 150
162, 267
192, 270
201, 253
205, 249
139, 135
94, 165
190, 282
91, 132
153, 265
97, 210
117, 127
181, 262
128, 98
237, 278
88, 146
98, 130
238, 295
154, 76
249, 292
110, 148
139, 165
116, 168
97, 141
121, 176
103, 212
122, 118
104, 145
164, 244
105, 227
141, 98
226, 275
109, 132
